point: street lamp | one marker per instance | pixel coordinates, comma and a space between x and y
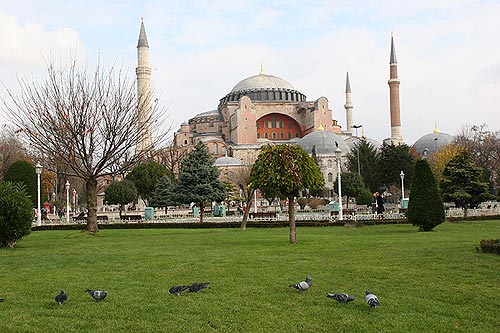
67, 201
402, 175
38, 170
356, 128
338, 154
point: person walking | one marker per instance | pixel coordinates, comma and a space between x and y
379, 203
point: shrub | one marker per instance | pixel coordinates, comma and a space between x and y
23, 172
302, 202
315, 202
425, 207
490, 246
16, 213
365, 198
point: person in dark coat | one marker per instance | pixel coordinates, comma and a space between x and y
379, 203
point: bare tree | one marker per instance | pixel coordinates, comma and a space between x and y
241, 178
171, 157
85, 122
484, 146
11, 149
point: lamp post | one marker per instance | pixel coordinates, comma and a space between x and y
402, 175
67, 201
356, 128
338, 154
38, 171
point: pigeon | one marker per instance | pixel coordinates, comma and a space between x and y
341, 298
371, 299
302, 286
177, 289
1, 300
197, 286
97, 295
61, 298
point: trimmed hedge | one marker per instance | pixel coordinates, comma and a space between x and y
490, 246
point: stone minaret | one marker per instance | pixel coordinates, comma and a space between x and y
396, 136
348, 106
143, 72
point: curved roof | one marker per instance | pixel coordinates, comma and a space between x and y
352, 141
262, 81
227, 161
430, 143
207, 113
324, 142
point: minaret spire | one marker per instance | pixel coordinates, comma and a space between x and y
396, 136
348, 106
143, 73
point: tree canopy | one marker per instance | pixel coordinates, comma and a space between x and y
120, 193
198, 180
285, 169
368, 163
462, 182
394, 159
352, 185
24, 172
145, 176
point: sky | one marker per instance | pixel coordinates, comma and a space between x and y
448, 53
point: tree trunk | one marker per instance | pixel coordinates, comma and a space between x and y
291, 219
247, 211
91, 188
202, 208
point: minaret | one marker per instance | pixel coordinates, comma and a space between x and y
348, 106
396, 136
143, 72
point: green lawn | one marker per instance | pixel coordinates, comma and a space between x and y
433, 281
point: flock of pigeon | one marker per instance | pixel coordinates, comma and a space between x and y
99, 295
370, 298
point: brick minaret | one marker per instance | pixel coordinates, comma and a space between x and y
143, 73
348, 106
396, 136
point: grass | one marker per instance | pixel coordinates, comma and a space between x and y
434, 281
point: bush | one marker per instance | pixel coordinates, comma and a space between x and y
425, 207
490, 246
16, 213
23, 172
365, 198
302, 202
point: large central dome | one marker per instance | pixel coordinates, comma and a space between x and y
262, 81
263, 88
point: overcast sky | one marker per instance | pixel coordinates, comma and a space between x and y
448, 52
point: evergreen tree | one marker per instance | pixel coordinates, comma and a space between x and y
425, 207
352, 185
393, 160
198, 180
162, 195
462, 182
145, 177
24, 172
120, 193
16, 213
286, 169
314, 155
368, 163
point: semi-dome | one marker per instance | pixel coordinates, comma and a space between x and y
432, 142
227, 161
324, 143
264, 87
262, 81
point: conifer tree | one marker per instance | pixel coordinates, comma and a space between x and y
199, 180
425, 207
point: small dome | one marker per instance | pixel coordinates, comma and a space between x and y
324, 143
227, 161
432, 142
207, 114
262, 81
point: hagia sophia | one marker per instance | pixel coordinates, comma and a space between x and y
265, 109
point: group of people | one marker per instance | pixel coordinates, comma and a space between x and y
378, 203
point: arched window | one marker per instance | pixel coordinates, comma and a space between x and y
266, 135
215, 149
330, 177
274, 135
258, 135
223, 151
330, 163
